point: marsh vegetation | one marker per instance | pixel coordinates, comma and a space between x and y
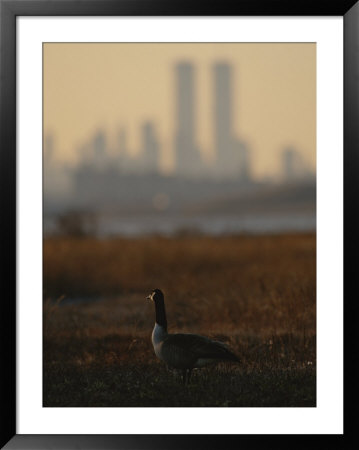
256, 293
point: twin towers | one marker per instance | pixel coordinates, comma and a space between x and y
231, 154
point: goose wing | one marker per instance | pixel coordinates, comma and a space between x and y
191, 347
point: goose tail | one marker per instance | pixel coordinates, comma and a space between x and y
230, 356
225, 353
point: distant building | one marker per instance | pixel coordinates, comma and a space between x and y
123, 161
223, 119
242, 163
188, 158
99, 150
57, 182
122, 142
151, 148
293, 165
288, 163
232, 154
49, 146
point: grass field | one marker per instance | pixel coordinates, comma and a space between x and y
256, 293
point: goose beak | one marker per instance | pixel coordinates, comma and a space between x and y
149, 297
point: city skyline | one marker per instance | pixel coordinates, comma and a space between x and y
98, 157
266, 158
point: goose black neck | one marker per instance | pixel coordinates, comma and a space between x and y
161, 313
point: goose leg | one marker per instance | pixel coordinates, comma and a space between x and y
184, 373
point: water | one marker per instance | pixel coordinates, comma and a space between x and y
170, 224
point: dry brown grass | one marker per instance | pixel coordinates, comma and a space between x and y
257, 293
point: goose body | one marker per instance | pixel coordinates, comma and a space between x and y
184, 351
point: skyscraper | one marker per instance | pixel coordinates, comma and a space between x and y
99, 149
123, 159
293, 165
188, 159
49, 146
241, 161
150, 148
224, 144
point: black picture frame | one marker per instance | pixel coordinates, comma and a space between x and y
9, 10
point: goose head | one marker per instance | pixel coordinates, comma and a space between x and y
158, 299
156, 296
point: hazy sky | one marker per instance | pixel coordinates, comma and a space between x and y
88, 87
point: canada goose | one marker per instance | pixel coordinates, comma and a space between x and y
184, 351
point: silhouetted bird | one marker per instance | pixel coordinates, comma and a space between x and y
184, 351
